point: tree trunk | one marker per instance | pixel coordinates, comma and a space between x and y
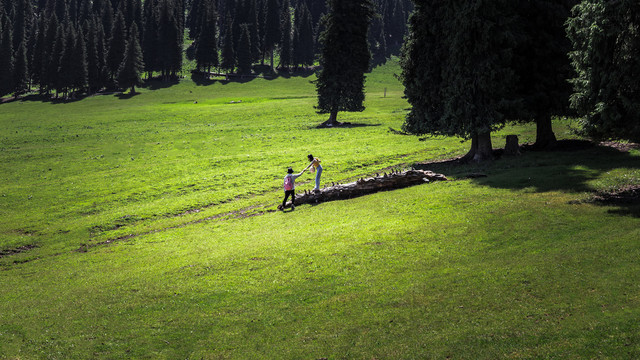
485, 150
472, 151
133, 89
545, 138
332, 121
272, 51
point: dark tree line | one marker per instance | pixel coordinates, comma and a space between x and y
68, 47
284, 33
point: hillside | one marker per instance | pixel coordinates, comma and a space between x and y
150, 231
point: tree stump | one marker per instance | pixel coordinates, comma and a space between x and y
511, 147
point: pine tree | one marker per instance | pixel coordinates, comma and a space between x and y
296, 44
244, 51
66, 69
132, 67
80, 78
606, 43
107, 17
271, 27
49, 63
397, 26
150, 37
378, 41
286, 47
85, 12
307, 38
344, 59
32, 47
62, 10
22, 21
94, 71
20, 70
542, 65
228, 55
456, 70
170, 38
6, 56
207, 42
117, 44
254, 29
194, 19
57, 53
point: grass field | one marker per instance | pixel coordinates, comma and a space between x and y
156, 236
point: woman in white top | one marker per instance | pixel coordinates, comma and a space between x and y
315, 163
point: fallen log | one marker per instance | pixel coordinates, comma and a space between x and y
365, 186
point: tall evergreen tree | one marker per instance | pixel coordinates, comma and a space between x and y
244, 51
254, 29
132, 67
21, 70
36, 49
80, 78
228, 55
456, 70
271, 27
377, 41
606, 42
49, 64
22, 21
397, 26
150, 37
170, 38
107, 16
117, 44
66, 69
86, 12
6, 56
306, 37
94, 65
54, 73
542, 65
344, 59
207, 42
286, 30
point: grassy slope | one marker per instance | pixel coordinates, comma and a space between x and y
503, 266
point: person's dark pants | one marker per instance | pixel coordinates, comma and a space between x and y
286, 196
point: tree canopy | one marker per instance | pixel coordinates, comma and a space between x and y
344, 58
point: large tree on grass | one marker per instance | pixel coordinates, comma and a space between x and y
542, 65
456, 70
344, 58
606, 57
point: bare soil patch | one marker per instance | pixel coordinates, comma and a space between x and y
18, 250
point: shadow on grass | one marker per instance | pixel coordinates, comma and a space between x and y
571, 169
129, 95
344, 125
45, 99
157, 84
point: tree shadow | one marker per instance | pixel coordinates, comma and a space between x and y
571, 168
157, 84
45, 99
129, 95
344, 125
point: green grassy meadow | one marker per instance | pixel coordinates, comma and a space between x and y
155, 235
